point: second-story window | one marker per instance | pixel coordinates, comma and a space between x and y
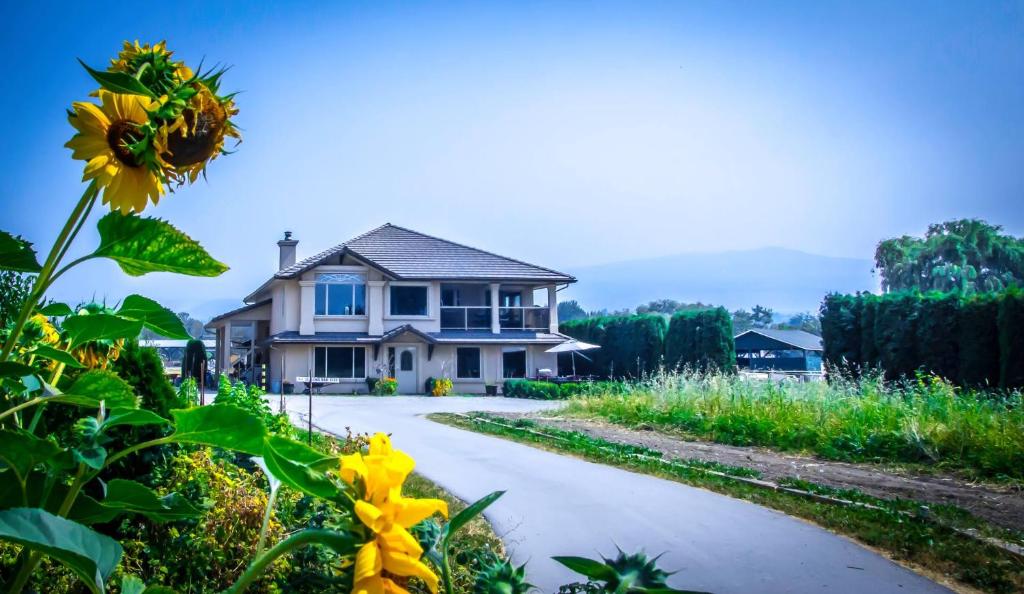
340, 294
408, 300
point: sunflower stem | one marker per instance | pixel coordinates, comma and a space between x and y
52, 261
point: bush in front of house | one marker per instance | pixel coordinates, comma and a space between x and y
531, 389
541, 390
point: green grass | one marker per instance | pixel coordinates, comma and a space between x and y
927, 421
938, 549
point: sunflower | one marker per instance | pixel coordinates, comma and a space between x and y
108, 139
391, 555
196, 137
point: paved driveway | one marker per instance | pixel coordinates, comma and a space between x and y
559, 505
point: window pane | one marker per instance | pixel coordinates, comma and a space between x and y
513, 364
406, 364
339, 362
408, 301
320, 307
467, 362
360, 300
360, 363
341, 277
511, 299
339, 300
449, 296
320, 362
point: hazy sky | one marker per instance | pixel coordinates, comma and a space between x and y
565, 134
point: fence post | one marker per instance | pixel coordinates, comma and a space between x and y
309, 436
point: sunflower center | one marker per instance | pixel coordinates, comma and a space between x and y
206, 126
120, 134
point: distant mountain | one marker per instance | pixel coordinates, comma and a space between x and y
785, 280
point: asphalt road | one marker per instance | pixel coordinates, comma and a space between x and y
559, 505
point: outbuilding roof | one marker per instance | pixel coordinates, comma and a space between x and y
798, 339
407, 254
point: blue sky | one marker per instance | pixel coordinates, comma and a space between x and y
567, 134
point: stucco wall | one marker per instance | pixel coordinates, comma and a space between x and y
297, 360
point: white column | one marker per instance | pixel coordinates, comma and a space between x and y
307, 302
552, 309
375, 307
495, 319
225, 356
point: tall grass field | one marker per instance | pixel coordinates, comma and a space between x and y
926, 421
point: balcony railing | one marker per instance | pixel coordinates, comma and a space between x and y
466, 317
524, 318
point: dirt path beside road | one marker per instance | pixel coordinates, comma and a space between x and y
1003, 506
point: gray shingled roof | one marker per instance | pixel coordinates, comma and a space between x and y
796, 338
407, 254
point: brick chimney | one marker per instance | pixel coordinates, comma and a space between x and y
287, 247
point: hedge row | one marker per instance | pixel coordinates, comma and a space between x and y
541, 390
632, 346
973, 341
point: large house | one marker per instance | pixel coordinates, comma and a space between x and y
394, 302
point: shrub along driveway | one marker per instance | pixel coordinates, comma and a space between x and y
558, 505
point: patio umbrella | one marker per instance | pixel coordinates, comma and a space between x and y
574, 346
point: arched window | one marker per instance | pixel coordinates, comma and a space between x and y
406, 361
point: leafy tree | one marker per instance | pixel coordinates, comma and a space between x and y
570, 310
14, 289
762, 317
742, 320
966, 255
670, 306
806, 321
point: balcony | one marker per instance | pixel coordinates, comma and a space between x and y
472, 317
524, 318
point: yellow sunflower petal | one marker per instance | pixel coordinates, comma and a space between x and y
368, 561
89, 118
352, 467
391, 587
373, 585
406, 565
413, 511
380, 445
371, 516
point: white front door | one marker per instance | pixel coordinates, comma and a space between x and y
405, 370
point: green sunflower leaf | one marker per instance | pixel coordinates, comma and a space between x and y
296, 465
48, 352
100, 326
118, 82
463, 517
143, 245
220, 425
154, 316
89, 554
17, 254
22, 451
93, 386
594, 570
56, 310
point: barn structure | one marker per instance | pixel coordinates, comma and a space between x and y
765, 349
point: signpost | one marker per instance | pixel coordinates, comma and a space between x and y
309, 380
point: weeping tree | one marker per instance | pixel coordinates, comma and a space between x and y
966, 256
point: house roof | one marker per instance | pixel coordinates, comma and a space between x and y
407, 254
235, 312
794, 338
